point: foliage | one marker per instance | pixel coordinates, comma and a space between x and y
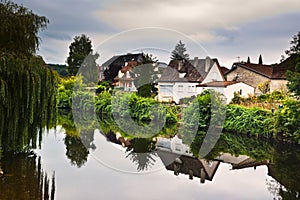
235, 144
295, 45
147, 77
206, 110
294, 79
293, 62
269, 101
61, 69
65, 90
139, 108
28, 100
288, 121
80, 49
19, 28
260, 61
264, 87
26, 178
104, 86
251, 121
203, 108
179, 53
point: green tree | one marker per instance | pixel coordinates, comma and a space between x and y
19, 28
80, 49
293, 78
179, 53
146, 81
295, 45
293, 75
260, 61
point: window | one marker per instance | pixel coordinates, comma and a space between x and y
180, 88
166, 89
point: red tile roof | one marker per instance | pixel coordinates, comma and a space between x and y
218, 84
269, 71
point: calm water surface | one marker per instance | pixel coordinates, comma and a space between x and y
107, 170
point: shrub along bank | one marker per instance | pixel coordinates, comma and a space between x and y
207, 108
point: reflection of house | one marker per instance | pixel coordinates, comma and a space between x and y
177, 157
189, 165
179, 80
173, 145
241, 161
227, 88
255, 74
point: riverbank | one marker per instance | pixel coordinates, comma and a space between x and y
277, 122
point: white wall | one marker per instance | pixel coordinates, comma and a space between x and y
214, 74
238, 87
228, 91
176, 90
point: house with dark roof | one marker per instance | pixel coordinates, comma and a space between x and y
180, 78
110, 69
255, 74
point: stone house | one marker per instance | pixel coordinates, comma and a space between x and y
255, 74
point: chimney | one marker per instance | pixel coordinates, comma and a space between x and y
207, 63
196, 61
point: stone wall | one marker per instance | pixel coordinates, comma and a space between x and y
246, 76
279, 85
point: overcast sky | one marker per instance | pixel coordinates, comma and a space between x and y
218, 28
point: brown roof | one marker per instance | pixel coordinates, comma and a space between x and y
223, 70
194, 70
269, 71
130, 65
218, 84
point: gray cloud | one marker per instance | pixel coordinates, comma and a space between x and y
225, 28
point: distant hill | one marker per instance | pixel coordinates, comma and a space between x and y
61, 69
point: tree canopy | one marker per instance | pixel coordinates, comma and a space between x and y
19, 28
145, 82
293, 75
295, 45
80, 49
179, 53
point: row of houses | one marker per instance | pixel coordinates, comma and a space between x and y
186, 78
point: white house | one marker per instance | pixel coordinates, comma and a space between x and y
180, 78
227, 88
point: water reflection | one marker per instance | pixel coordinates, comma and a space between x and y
24, 178
179, 161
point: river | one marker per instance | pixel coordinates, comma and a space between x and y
94, 165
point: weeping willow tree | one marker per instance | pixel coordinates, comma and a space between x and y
28, 101
19, 28
27, 86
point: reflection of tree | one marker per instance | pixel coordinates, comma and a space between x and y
77, 141
285, 170
76, 151
87, 138
24, 178
140, 153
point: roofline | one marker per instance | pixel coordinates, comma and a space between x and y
250, 69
